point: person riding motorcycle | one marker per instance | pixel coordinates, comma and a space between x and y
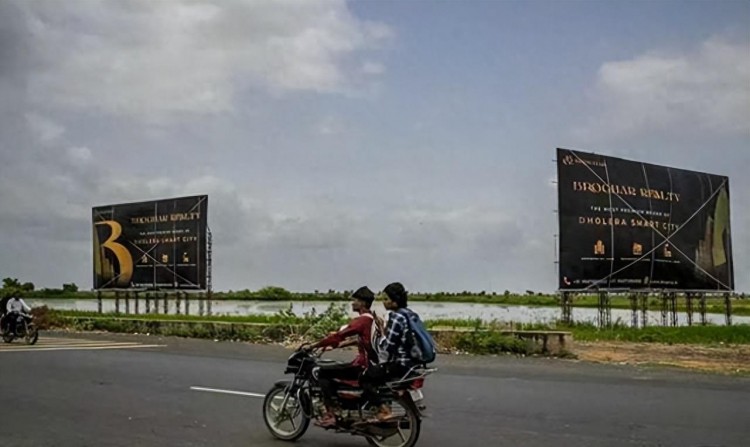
363, 327
15, 308
395, 358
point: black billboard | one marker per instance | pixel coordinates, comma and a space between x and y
626, 225
154, 245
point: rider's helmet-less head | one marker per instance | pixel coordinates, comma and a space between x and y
396, 292
365, 295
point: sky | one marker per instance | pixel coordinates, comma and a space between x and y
352, 143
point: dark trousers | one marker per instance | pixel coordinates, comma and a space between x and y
327, 374
376, 376
11, 321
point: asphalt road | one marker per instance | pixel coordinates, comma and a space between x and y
114, 390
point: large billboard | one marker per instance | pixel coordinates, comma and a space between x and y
637, 226
155, 245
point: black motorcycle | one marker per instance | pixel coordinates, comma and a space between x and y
24, 328
291, 404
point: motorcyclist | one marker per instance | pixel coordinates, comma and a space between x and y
395, 358
15, 308
364, 328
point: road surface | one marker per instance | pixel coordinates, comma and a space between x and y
77, 390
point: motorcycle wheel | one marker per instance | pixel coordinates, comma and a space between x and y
288, 423
32, 335
407, 426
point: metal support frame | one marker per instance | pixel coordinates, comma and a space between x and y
605, 310
702, 301
728, 308
633, 297
99, 301
566, 307
644, 309
117, 302
689, 307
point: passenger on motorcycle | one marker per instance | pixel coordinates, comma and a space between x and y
395, 359
15, 308
364, 328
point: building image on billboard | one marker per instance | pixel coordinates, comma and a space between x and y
637, 226
151, 245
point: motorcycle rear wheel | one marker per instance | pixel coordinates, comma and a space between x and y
409, 420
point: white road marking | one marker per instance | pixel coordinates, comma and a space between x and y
79, 348
236, 393
70, 344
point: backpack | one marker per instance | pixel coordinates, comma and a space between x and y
375, 336
422, 347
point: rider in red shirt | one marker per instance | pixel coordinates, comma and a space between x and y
362, 327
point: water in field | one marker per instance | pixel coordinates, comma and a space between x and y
428, 311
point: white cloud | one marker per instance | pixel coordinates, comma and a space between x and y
79, 154
151, 59
372, 68
44, 128
704, 90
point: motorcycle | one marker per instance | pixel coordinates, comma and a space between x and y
25, 329
290, 404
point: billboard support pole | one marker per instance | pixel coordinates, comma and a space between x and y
689, 307
673, 308
200, 304
664, 309
117, 302
605, 310
566, 303
703, 309
209, 295
148, 302
728, 308
177, 303
633, 297
99, 301
644, 310
127, 303
166, 303
137, 305
187, 303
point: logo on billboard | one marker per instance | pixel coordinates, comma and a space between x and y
123, 272
637, 249
667, 251
599, 248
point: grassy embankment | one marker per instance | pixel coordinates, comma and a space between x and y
472, 336
740, 303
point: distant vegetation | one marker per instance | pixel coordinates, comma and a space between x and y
740, 302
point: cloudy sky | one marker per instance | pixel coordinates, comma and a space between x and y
348, 143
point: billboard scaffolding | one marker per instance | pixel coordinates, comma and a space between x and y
158, 244
631, 226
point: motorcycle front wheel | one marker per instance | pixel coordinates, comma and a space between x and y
284, 415
400, 431
32, 335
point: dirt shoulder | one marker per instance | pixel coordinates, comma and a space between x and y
723, 359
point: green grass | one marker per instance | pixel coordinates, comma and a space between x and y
707, 335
